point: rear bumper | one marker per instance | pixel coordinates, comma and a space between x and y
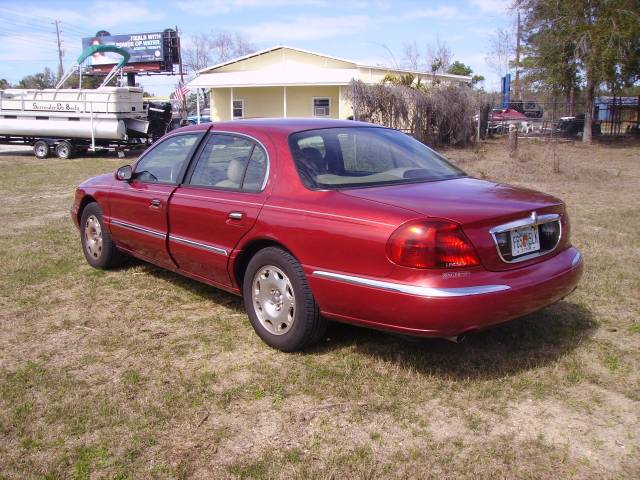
478, 301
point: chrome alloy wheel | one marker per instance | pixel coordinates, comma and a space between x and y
93, 236
273, 300
41, 150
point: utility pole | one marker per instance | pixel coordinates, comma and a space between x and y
60, 54
517, 82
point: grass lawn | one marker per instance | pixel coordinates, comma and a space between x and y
140, 373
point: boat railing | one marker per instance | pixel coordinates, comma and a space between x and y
101, 103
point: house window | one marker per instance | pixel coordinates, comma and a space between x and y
238, 109
321, 107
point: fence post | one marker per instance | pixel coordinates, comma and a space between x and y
513, 140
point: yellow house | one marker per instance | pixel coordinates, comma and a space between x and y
290, 82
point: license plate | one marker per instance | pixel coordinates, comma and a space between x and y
524, 240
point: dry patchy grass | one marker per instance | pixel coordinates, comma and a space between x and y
140, 373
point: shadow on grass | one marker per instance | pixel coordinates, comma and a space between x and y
526, 343
201, 290
17, 153
522, 344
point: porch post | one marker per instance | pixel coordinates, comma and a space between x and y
231, 104
198, 104
284, 97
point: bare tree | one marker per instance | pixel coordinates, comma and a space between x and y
438, 56
412, 56
501, 51
208, 49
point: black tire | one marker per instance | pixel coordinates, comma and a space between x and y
64, 150
104, 254
41, 149
307, 326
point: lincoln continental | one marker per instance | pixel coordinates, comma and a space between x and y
313, 220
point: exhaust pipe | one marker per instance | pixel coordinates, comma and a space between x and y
458, 338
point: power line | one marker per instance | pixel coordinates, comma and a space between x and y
30, 42
33, 23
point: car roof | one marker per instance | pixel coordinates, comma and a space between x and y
279, 125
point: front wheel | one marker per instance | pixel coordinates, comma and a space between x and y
279, 302
97, 246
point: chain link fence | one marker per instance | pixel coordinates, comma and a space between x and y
613, 117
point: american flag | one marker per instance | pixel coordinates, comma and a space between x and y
180, 91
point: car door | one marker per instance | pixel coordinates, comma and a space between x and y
138, 208
217, 204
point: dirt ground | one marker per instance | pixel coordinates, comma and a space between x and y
140, 373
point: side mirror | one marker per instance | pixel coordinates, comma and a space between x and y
124, 173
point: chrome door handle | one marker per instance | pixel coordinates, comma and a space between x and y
155, 203
236, 215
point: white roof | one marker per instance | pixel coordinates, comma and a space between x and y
307, 75
276, 77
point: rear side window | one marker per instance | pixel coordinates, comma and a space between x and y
164, 163
345, 157
230, 162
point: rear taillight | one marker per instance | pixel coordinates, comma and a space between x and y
431, 244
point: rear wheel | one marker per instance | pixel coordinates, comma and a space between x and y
41, 149
279, 302
64, 150
97, 246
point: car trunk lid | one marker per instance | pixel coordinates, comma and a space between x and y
477, 205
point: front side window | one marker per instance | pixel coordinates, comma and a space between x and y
321, 107
165, 161
230, 162
365, 156
238, 109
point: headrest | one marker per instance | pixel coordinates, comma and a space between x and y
235, 171
314, 159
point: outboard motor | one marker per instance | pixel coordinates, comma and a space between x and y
159, 116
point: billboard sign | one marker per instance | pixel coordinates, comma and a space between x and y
143, 48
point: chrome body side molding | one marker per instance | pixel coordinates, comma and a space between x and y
202, 246
576, 259
137, 228
432, 292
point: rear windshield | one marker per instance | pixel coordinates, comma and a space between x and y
349, 157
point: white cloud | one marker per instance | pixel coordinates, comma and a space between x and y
440, 12
215, 7
99, 14
490, 6
110, 14
306, 28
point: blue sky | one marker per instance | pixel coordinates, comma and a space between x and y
370, 32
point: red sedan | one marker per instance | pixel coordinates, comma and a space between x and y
312, 220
